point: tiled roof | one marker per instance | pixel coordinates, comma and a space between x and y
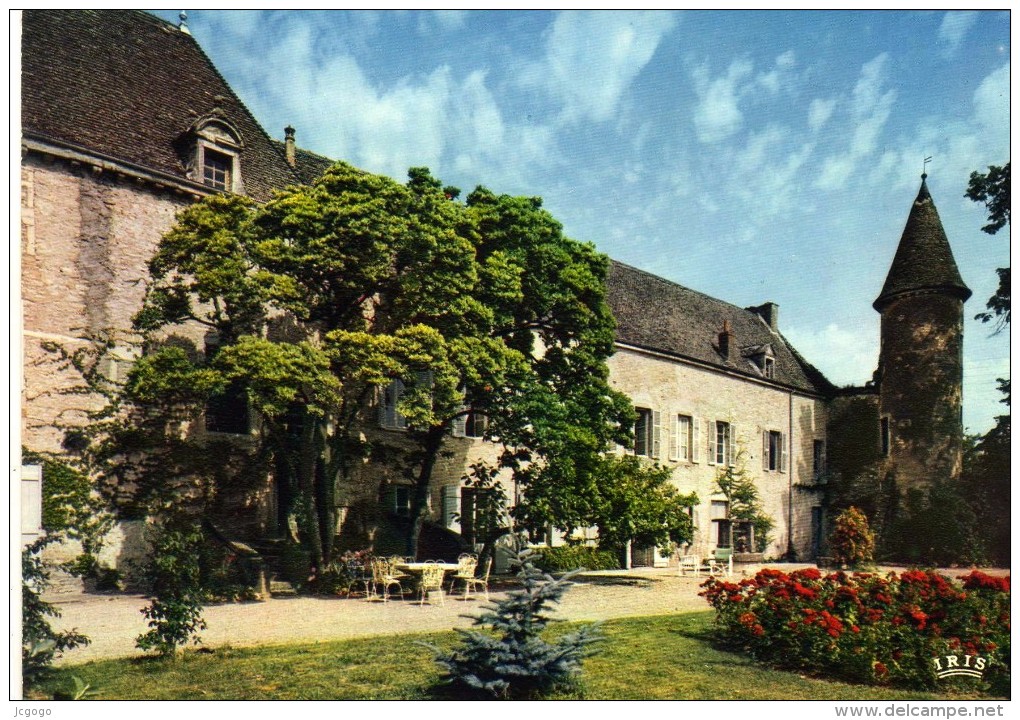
309, 166
924, 260
127, 85
658, 315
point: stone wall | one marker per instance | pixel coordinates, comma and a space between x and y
921, 368
86, 239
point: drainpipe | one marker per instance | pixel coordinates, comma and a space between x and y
789, 476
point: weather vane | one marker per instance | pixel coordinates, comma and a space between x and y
924, 168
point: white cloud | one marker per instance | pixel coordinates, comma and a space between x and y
776, 79
819, 113
592, 57
870, 107
450, 19
845, 357
718, 114
991, 99
953, 29
787, 60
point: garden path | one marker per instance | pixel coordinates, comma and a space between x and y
113, 621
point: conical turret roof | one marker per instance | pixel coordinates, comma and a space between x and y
924, 260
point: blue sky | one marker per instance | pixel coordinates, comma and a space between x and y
752, 156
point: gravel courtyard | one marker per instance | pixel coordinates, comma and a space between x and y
113, 621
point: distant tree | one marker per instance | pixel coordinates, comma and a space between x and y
986, 484
737, 485
986, 474
992, 189
852, 542
638, 503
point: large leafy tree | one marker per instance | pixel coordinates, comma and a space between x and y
992, 189
332, 291
986, 473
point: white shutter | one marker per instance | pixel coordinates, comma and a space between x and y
731, 443
459, 426
765, 450
399, 421
711, 442
696, 440
656, 434
783, 456
380, 406
674, 437
451, 503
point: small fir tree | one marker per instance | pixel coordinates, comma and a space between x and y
513, 661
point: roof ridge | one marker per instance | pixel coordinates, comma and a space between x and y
684, 287
300, 149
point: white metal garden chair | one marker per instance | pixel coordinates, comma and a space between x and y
431, 581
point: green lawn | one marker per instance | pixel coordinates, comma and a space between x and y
662, 657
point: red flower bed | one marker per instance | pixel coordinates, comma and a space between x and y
870, 628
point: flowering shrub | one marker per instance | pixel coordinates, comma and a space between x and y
852, 542
868, 628
343, 574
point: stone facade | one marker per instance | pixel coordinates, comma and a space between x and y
705, 395
87, 236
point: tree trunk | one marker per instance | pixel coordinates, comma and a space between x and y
489, 546
431, 445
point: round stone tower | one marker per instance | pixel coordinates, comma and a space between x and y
920, 370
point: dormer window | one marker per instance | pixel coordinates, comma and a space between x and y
762, 359
212, 148
217, 169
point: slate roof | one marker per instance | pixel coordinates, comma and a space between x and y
126, 85
924, 260
655, 314
309, 166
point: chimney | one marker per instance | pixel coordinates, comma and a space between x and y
725, 340
289, 145
769, 312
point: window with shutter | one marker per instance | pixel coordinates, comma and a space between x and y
643, 432
680, 439
731, 445
721, 445
475, 424
818, 457
398, 500
459, 426
389, 416
451, 503
774, 447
